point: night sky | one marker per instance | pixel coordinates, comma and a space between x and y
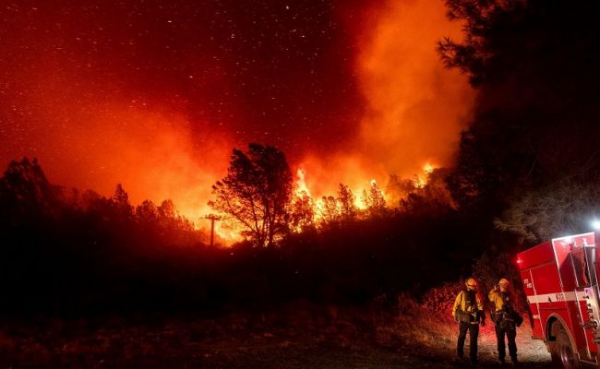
154, 94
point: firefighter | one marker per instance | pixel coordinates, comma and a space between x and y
506, 319
468, 312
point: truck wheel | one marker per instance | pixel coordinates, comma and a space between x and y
562, 352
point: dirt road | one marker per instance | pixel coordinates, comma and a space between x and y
243, 343
350, 358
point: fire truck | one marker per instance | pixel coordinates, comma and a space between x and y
560, 280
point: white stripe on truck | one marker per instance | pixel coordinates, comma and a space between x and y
553, 297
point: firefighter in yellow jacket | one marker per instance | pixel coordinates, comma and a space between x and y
468, 312
506, 319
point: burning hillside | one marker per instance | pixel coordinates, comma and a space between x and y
155, 97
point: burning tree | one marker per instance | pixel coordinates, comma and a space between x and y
303, 212
346, 199
256, 192
374, 200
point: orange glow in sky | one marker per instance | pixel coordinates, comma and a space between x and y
156, 97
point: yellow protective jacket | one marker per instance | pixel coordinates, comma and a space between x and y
503, 309
461, 303
497, 300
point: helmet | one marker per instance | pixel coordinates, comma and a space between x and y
504, 282
471, 283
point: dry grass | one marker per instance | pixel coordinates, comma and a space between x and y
406, 334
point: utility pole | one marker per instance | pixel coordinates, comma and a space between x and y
212, 218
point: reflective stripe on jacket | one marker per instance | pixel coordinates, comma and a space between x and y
461, 303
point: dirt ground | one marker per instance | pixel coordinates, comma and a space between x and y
306, 338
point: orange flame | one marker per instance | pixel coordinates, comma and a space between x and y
416, 109
416, 106
301, 187
421, 179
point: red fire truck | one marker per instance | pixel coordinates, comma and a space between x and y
560, 279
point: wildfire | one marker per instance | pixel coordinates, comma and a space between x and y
301, 187
227, 233
416, 107
421, 179
323, 204
158, 150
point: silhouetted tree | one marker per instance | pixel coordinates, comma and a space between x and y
492, 160
566, 207
534, 64
166, 210
147, 212
481, 54
26, 194
121, 200
256, 192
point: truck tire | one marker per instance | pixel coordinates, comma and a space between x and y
562, 353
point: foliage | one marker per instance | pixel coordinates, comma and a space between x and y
63, 249
535, 40
564, 208
494, 159
534, 64
440, 299
256, 193
26, 194
482, 54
